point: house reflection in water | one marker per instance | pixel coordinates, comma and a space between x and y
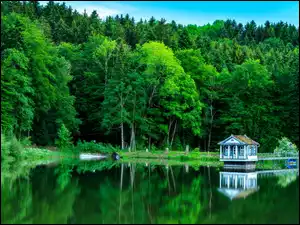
238, 184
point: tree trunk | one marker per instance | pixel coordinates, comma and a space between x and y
122, 125
187, 149
151, 96
174, 131
106, 71
169, 130
149, 142
132, 139
122, 136
210, 129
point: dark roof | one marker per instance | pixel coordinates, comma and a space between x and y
245, 139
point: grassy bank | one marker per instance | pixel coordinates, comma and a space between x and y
171, 162
203, 156
14, 150
172, 158
191, 158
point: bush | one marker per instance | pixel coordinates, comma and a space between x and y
4, 147
15, 148
153, 148
26, 141
64, 138
285, 146
10, 147
93, 147
196, 150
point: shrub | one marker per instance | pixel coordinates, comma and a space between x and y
15, 148
64, 138
285, 146
10, 147
26, 141
153, 148
94, 147
4, 147
196, 150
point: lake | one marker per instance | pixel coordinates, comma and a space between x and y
106, 192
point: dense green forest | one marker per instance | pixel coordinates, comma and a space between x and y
146, 83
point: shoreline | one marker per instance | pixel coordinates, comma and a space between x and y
194, 159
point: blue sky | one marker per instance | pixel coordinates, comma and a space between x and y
192, 12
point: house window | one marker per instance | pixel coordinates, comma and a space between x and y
241, 150
252, 150
226, 151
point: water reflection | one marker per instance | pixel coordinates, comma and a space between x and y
106, 192
238, 184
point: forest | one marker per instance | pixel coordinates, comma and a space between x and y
145, 84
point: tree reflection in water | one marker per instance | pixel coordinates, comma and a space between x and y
107, 192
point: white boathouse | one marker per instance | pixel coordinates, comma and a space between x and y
238, 151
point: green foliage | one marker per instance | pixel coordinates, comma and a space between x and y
26, 141
5, 147
249, 108
17, 108
146, 83
34, 80
196, 150
64, 138
18, 151
286, 146
93, 147
10, 147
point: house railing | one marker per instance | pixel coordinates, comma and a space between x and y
281, 154
234, 157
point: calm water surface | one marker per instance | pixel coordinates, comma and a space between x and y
97, 192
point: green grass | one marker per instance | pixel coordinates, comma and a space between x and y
192, 159
39, 153
171, 162
13, 151
172, 158
202, 156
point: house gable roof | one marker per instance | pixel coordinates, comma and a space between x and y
246, 139
242, 139
231, 137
